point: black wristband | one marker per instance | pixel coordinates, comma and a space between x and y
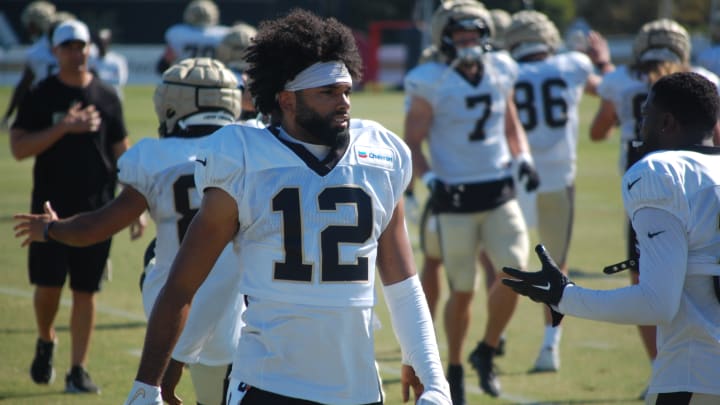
46, 231
409, 193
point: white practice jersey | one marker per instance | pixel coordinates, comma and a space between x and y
188, 41
687, 185
308, 233
627, 92
709, 58
466, 140
41, 60
547, 96
673, 200
162, 170
111, 69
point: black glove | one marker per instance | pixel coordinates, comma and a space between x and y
526, 169
546, 285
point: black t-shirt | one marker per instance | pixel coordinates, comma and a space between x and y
78, 172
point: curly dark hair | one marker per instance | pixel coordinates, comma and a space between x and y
286, 46
692, 99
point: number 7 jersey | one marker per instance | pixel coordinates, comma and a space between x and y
466, 138
308, 229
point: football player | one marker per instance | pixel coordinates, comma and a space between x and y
671, 196
501, 20
312, 204
197, 36
661, 47
547, 95
231, 52
463, 106
197, 97
36, 18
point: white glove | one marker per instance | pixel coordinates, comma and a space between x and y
412, 208
434, 398
144, 394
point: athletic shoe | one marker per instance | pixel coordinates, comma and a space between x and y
41, 370
500, 350
547, 360
78, 381
482, 361
455, 377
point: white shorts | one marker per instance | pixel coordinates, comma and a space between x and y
500, 231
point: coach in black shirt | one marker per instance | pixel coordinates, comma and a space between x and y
73, 124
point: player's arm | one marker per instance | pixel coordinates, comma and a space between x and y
514, 131
664, 249
19, 92
82, 229
418, 119
210, 231
410, 314
603, 122
519, 146
24, 143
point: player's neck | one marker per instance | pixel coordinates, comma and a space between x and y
471, 71
75, 78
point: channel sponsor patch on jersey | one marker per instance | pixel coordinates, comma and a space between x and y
374, 156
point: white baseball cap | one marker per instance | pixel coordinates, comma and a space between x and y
72, 30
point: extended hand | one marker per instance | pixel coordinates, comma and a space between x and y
528, 172
32, 226
137, 227
598, 49
546, 285
409, 379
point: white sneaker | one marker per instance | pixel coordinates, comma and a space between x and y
547, 360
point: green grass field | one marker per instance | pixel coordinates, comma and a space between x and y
601, 363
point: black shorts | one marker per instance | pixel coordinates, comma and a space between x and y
50, 263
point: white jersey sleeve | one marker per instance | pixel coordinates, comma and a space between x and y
659, 187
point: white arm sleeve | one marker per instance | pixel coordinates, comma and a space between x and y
413, 327
663, 265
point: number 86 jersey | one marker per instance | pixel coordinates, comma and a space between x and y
308, 229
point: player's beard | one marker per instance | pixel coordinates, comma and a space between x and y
320, 126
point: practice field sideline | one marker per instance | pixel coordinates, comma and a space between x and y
601, 363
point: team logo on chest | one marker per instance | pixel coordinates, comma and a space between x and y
374, 156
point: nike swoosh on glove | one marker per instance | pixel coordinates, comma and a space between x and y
532, 181
546, 285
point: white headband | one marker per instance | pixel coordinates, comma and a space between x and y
318, 75
528, 48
